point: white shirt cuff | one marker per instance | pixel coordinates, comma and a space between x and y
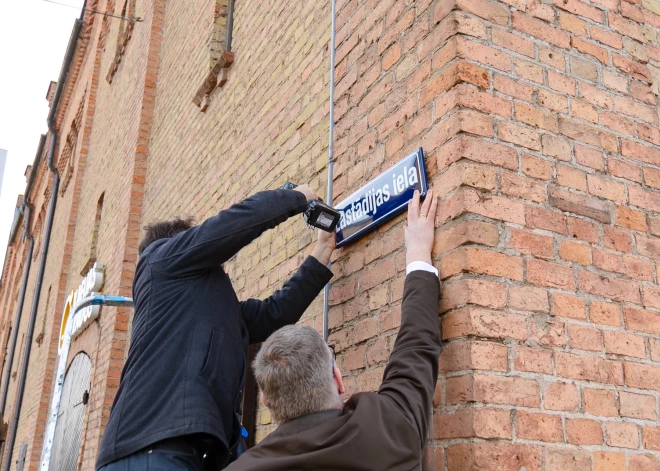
421, 266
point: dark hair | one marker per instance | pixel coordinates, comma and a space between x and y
163, 230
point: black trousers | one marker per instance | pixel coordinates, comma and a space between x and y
171, 455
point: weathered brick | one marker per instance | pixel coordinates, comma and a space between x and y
637, 70
561, 396
533, 360
642, 376
638, 269
494, 457
506, 390
483, 323
578, 204
651, 438
591, 49
620, 343
535, 167
644, 463
583, 432
561, 83
519, 135
617, 289
609, 461
550, 274
479, 292
530, 243
585, 133
540, 30
474, 260
617, 239
631, 219
572, 24
638, 406
607, 261
648, 246
513, 42
539, 218
558, 147
521, 187
542, 427
605, 313
575, 252
553, 101
621, 434
623, 169
606, 37
566, 305
492, 423
589, 157
571, 177
585, 338
588, 368
512, 88
583, 230
548, 332
466, 232
607, 189
642, 320
474, 355
600, 402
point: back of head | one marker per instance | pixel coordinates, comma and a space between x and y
294, 369
163, 230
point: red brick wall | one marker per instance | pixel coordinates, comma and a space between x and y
540, 128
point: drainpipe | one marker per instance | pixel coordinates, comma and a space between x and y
19, 310
61, 83
230, 24
26, 209
331, 154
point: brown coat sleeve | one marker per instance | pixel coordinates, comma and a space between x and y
412, 372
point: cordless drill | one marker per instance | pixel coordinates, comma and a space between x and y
318, 214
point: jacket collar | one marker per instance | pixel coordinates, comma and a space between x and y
306, 422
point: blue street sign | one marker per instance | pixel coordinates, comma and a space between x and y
382, 198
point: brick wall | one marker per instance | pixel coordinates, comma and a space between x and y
540, 128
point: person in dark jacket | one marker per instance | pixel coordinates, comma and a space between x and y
179, 398
379, 431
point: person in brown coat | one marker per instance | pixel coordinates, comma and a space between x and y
302, 387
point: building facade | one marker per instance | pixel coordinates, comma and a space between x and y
541, 133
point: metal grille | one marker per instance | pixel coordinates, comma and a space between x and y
68, 431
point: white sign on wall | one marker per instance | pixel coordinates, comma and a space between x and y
89, 286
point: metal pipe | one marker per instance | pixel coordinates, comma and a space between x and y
28, 187
26, 210
102, 300
61, 83
30, 331
230, 24
19, 310
331, 155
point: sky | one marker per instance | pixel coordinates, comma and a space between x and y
33, 39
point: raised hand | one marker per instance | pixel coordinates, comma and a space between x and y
421, 228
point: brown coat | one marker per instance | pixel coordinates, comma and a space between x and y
375, 431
